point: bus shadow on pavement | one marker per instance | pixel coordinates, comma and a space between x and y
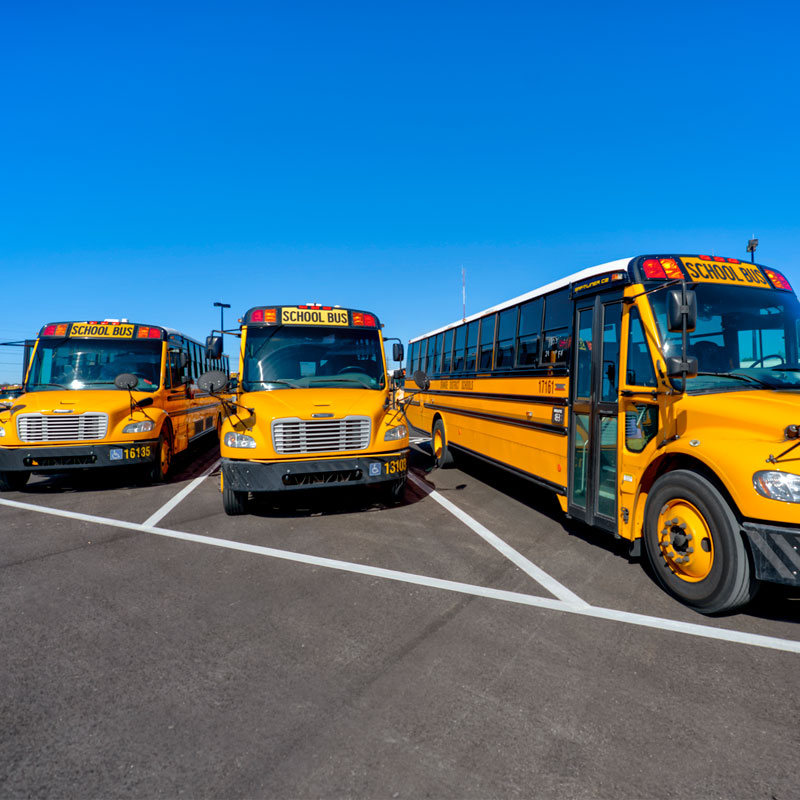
322, 502
186, 465
773, 602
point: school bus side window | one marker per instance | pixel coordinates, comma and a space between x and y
459, 338
448, 346
557, 316
640, 366
530, 329
436, 354
472, 346
487, 342
174, 370
506, 330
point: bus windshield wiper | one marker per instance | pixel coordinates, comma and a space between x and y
282, 382
59, 385
740, 377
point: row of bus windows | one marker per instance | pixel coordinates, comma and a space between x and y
197, 361
532, 334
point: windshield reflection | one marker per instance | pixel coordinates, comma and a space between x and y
302, 357
746, 338
93, 364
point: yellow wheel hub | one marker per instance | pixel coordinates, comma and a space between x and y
685, 540
164, 456
438, 445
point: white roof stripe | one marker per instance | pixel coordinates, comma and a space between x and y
610, 266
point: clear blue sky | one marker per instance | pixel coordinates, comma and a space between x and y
156, 157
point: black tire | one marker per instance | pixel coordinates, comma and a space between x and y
157, 470
442, 454
13, 481
695, 545
234, 503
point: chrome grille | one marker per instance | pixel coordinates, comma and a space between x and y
61, 427
293, 435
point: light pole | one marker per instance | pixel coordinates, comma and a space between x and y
222, 307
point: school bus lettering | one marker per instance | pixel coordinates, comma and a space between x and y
306, 316
711, 272
101, 330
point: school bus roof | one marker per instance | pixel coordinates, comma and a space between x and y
611, 266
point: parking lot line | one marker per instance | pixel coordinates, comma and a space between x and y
610, 614
183, 493
527, 566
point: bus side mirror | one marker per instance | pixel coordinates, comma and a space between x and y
184, 358
676, 310
398, 374
398, 353
126, 380
422, 380
213, 346
213, 381
233, 384
676, 367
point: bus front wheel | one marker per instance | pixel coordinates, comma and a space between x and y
695, 546
234, 503
157, 471
13, 481
442, 454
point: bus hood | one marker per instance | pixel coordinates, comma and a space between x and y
315, 403
754, 416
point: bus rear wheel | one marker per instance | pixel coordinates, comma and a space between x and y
234, 503
695, 546
13, 481
442, 454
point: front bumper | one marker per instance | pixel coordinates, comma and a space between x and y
776, 552
85, 456
256, 476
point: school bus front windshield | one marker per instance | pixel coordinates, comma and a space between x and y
745, 339
93, 364
300, 357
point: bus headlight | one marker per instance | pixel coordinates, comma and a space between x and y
2, 431
139, 427
778, 485
239, 440
400, 432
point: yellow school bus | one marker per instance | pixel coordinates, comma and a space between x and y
314, 406
104, 394
657, 396
10, 393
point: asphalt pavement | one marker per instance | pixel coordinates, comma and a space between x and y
468, 643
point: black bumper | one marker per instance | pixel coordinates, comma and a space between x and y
86, 456
255, 476
776, 552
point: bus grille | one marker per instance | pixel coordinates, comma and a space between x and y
292, 436
61, 427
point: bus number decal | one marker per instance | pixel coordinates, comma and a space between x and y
395, 467
547, 386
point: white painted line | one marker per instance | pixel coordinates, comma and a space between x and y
168, 506
659, 623
527, 566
